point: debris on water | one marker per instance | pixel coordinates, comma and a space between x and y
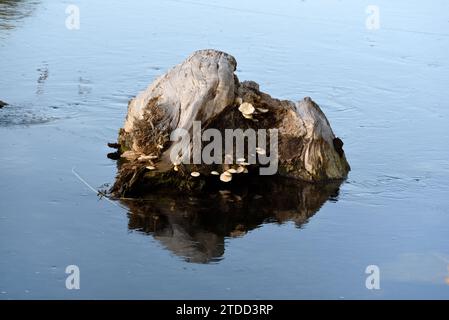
114, 155
114, 145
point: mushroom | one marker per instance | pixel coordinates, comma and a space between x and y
226, 176
247, 110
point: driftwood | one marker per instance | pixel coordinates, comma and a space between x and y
204, 88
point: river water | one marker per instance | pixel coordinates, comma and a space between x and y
383, 89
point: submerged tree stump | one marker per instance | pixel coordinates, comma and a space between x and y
205, 89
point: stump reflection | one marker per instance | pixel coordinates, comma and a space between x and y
195, 227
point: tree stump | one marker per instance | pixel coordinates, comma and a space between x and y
204, 89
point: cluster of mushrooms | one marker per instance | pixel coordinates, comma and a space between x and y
247, 110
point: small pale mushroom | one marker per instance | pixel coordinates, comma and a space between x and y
215, 173
151, 167
231, 171
240, 169
247, 110
262, 110
159, 146
260, 151
195, 174
226, 176
176, 168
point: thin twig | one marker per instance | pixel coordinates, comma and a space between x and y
97, 192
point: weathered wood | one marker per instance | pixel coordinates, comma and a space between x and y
204, 88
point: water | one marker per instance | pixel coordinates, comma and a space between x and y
384, 92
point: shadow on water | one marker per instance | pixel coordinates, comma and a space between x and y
195, 228
13, 11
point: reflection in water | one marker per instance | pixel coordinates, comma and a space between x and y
12, 11
195, 228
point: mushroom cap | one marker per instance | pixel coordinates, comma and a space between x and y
195, 174
246, 108
226, 176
